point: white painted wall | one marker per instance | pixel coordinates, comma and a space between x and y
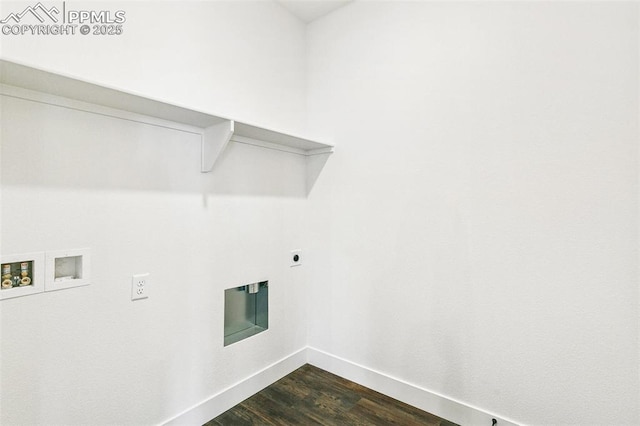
133, 193
477, 230
474, 233
243, 59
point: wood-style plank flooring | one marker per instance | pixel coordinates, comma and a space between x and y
311, 396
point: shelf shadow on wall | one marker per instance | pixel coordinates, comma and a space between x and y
249, 170
51, 146
315, 164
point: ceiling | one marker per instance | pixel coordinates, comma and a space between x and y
310, 10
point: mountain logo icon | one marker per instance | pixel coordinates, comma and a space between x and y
39, 11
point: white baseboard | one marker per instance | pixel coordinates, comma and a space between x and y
432, 402
233, 395
408, 393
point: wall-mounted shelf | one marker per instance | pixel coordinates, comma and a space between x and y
216, 130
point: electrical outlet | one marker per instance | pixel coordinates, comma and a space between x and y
296, 258
139, 286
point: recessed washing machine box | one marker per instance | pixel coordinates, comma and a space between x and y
246, 311
22, 275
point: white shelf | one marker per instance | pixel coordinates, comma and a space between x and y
216, 130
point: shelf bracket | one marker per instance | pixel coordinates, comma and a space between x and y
214, 140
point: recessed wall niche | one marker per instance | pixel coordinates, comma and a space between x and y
246, 311
22, 275
68, 268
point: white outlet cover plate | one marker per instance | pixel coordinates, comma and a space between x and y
297, 252
139, 291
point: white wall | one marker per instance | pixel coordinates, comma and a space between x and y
474, 233
133, 193
478, 225
240, 59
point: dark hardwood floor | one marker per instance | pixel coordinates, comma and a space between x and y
311, 396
